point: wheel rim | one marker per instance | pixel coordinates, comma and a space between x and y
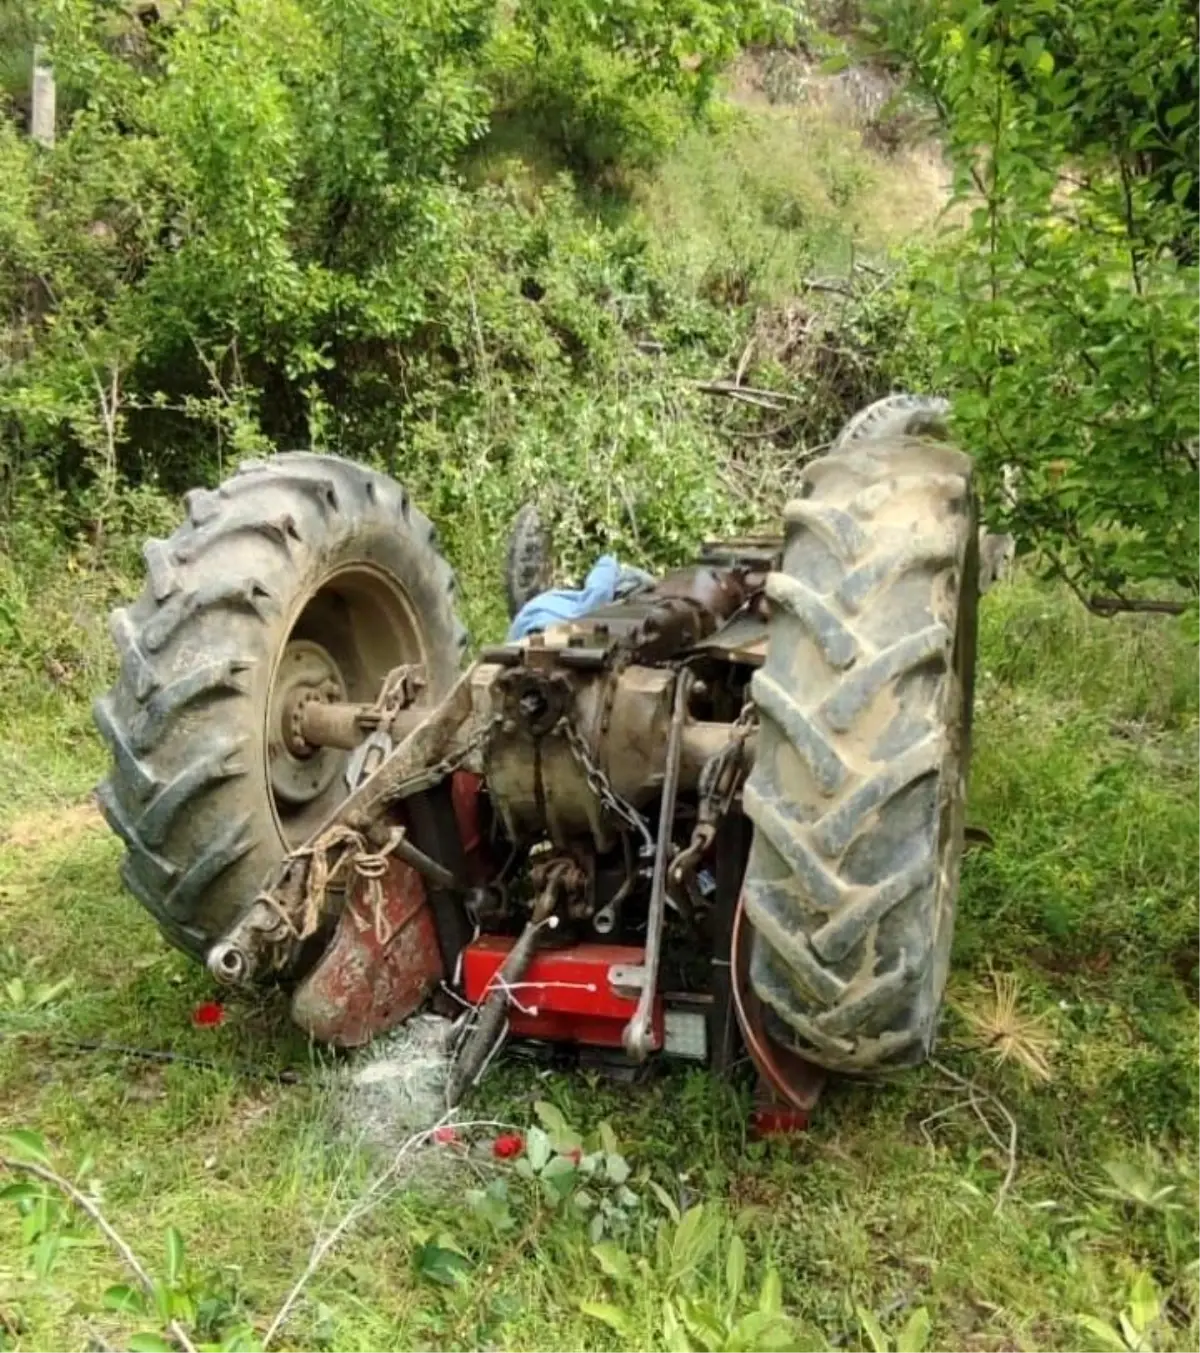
350, 631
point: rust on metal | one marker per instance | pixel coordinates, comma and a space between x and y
378, 969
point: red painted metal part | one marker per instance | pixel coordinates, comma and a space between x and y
791, 1086
777, 1120
566, 995
377, 970
465, 789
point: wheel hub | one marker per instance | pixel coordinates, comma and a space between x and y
300, 772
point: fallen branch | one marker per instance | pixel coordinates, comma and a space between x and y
86, 1205
833, 288
763, 399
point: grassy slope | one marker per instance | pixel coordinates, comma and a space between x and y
1086, 775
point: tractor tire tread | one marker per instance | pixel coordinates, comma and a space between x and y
862, 750
185, 792
897, 415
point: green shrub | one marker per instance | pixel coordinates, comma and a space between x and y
1062, 313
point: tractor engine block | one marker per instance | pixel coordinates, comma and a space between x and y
581, 712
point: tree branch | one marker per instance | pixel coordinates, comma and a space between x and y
748, 394
1110, 606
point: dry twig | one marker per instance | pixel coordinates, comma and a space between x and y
748, 394
744, 361
977, 1092
86, 1205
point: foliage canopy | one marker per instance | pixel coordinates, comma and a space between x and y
1062, 313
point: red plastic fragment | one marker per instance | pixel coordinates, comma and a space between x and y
208, 1014
777, 1120
508, 1145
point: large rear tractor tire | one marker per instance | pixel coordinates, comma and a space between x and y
303, 576
858, 787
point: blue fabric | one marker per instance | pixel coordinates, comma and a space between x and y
607, 581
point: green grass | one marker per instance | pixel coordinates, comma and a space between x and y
1085, 774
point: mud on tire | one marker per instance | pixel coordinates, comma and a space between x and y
301, 552
859, 780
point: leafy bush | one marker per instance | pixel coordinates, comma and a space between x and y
251, 231
616, 83
1062, 313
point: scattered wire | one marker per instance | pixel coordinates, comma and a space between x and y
382, 1188
284, 1077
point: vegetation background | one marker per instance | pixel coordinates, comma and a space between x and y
500, 249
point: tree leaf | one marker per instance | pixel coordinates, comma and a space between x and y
441, 1264
550, 1116
19, 1192
558, 1178
537, 1148
756, 1330
616, 1167
125, 1299
174, 1255
26, 1143
1100, 1330
45, 1252
612, 1316
914, 1336
149, 1343
669, 1205
770, 1299
1143, 1302
873, 1330
44, 993
703, 1322
613, 1261
675, 1338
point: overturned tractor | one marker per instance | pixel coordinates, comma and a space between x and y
724, 809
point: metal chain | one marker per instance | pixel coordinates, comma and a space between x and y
399, 689
712, 797
601, 786
719, 781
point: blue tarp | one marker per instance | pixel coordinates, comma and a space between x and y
608, 580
